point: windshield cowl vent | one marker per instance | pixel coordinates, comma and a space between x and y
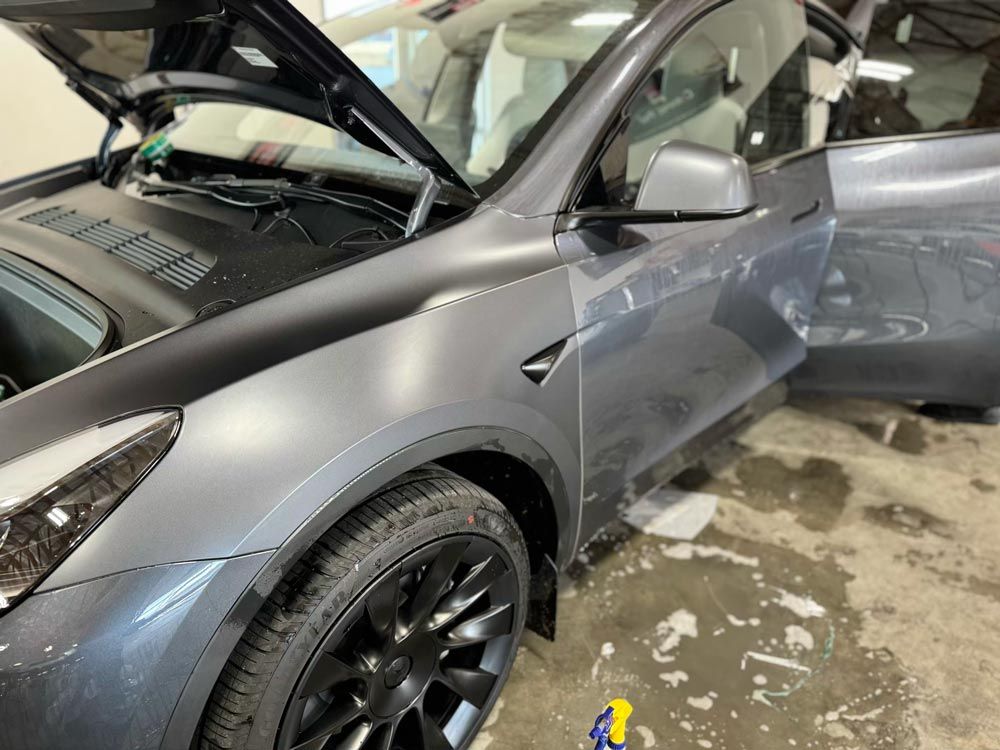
179, 269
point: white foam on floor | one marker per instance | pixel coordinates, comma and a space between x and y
688, 551
680, 624
674, 678
804, 606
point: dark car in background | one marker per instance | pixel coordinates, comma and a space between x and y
306, 400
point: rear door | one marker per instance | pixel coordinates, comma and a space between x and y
681, 323
911, 302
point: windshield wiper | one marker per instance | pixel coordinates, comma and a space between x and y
234, 191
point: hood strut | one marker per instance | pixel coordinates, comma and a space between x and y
103, 160
430, 183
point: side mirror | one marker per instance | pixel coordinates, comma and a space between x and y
697, 181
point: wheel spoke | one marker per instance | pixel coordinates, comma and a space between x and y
433, 737
473, 685
435, 581
356, 739
335, 718
386, 735
382, 604
328, 672
476, 583
492, 623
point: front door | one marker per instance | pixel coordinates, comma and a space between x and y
911, 305
680, 323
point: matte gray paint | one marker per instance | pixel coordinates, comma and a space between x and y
684, 176
102, 664
288, 399
44, 183
911, 302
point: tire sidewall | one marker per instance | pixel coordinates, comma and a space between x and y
469, 518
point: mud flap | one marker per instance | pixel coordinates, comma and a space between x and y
542, 599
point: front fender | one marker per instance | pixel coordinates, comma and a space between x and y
184, 720
462, 426
263, 448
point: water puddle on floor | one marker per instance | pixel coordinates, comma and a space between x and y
816, 492
744, 637
721, 643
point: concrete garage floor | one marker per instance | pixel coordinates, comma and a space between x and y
846, 595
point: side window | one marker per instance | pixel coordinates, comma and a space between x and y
928, 67
737, 81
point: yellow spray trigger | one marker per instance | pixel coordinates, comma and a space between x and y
609, 728
622, 710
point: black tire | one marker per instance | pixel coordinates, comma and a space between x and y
332, 606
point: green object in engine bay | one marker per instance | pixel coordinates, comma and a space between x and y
156, 147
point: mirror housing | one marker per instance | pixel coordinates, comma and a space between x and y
695, 180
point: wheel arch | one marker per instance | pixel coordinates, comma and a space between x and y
501, 460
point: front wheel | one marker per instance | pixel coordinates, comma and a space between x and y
395, 631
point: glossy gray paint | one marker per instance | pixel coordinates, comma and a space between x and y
102, 664
682, 323
911, 302
684, 176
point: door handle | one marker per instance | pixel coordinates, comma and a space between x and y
813, 209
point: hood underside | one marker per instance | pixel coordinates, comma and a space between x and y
138, 59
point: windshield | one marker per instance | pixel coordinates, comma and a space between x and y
479, 78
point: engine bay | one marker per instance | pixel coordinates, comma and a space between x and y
312, 209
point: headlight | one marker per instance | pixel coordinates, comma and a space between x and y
53, 496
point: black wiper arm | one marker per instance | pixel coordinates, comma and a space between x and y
286, 187
231, 190
166, 187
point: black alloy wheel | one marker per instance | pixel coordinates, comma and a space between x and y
414, 660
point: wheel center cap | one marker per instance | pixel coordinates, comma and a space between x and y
397, 672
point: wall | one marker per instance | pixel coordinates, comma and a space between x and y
44, 124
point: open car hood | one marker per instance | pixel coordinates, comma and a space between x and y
138, 59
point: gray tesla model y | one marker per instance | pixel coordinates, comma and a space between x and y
308, 395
